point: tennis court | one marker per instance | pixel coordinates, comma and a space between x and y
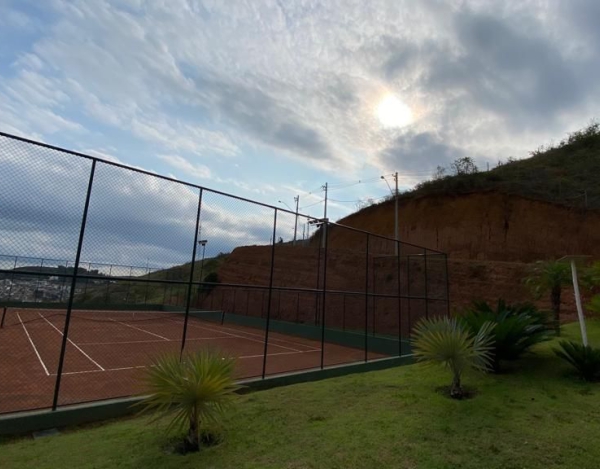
107, 352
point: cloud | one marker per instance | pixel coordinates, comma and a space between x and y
296, 84
420, 153
133, 217
194, 170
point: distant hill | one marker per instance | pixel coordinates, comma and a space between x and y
139, 291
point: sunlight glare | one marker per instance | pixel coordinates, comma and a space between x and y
392, 112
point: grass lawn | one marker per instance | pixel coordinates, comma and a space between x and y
536, 416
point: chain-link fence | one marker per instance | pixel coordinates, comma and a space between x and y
105, 267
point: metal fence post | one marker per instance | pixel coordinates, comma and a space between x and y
408, 294
325, 222
264, 370
12, 279
447, 286
191, 278
63, 347
367, 299
318, 277
398, 248
426, 285
344, 312
146, 285
128, 285
62, 288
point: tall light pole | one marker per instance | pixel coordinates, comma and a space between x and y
297, 200
325, 188
202, 243
395, 194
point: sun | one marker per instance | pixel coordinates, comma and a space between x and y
392, 112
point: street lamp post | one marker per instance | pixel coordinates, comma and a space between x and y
297, 200
202, 243
395, 194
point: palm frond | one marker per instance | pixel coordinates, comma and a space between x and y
198, 386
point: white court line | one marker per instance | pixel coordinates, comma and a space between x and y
144, 366
139, 329
73, 343
278, 353
239, 336
98, 371
33, 345
152, 341
287, 341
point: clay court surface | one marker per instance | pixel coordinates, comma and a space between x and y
107, 353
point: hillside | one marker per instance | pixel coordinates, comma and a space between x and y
565, 174
542, 207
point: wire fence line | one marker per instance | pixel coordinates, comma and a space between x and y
228, 273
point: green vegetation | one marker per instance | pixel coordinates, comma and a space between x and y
591, 279
194, 391
564, 174
585, 359
550, 276
517, 328
140, 292
537, 417
448, 342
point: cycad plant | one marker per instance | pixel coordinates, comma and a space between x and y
193, 390
449, 342
591, 280
550, 276
594, 304
584, 358
517, 328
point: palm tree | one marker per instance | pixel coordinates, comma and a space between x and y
194, 389
550, 276
450, 343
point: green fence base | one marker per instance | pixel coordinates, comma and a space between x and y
382, 344
22, 423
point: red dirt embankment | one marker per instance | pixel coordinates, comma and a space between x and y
491, 240
486, 226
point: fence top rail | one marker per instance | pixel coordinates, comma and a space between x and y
82, 264
387, 238
148, 173
196, 186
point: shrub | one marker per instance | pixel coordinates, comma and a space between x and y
584, 358
448, 342
594, 304
550, 276
195, 390
517, 328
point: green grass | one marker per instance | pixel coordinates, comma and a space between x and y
535, 416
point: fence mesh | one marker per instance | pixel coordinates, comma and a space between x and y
105, 267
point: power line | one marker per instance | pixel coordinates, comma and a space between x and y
306, 206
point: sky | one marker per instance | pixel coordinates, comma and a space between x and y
269, 99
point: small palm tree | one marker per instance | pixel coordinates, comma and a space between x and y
194, 389
447, 341
550, 276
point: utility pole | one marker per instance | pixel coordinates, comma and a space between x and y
395, 194
297, 200
324, 217
396, 214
